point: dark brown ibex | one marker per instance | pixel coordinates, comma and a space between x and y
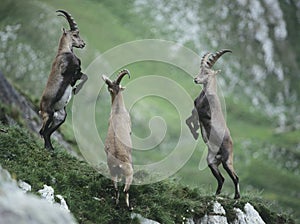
118, 140
65, 72
208, 115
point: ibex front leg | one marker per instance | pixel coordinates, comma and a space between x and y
193, 123
78, 87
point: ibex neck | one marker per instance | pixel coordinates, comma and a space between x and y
65, 45
211, 86
118, 104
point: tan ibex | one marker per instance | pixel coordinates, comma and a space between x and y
118, 143
65, 72
214, 131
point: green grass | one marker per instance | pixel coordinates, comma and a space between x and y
168, 201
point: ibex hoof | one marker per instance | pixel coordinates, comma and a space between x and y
49, 148
237, 196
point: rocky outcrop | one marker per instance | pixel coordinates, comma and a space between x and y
25, 208
217, 216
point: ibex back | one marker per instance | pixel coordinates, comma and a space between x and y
214, 131
65, 72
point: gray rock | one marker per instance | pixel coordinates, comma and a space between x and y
250, 216
17, 207
217, 216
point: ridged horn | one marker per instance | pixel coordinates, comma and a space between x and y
204, 60
70, 19
121, 75
210, 60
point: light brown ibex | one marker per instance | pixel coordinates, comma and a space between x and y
60, 87
214, 131
118, 143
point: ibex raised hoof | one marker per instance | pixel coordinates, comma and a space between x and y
212, 124
60, 87
118, 140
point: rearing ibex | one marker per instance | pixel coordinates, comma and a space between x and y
65, 72
213, 127
118, 141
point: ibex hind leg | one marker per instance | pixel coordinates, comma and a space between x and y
47, 123
117, 193
47, 119
217, 174
58, 119
128, 181
213, 164
230, 170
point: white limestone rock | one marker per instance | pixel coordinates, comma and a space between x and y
17, 207
250, 216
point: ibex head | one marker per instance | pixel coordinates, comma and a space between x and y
207, 61
114, 87
73, 33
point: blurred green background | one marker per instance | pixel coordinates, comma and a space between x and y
260, 80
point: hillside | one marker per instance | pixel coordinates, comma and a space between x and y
258, 86
89, 194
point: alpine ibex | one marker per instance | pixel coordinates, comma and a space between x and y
118, 141
214, 131
65, 72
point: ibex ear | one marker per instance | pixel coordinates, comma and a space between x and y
64, 30
217, 72
122, 88
106, 80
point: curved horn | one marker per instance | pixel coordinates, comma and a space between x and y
212, 60
121, 75
204, 60
71, 21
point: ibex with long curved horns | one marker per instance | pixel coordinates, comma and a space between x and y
214, 131
118, 143
65, 72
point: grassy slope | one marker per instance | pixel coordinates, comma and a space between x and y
106, 24
22, 155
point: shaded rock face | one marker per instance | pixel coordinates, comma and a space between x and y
18, 207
